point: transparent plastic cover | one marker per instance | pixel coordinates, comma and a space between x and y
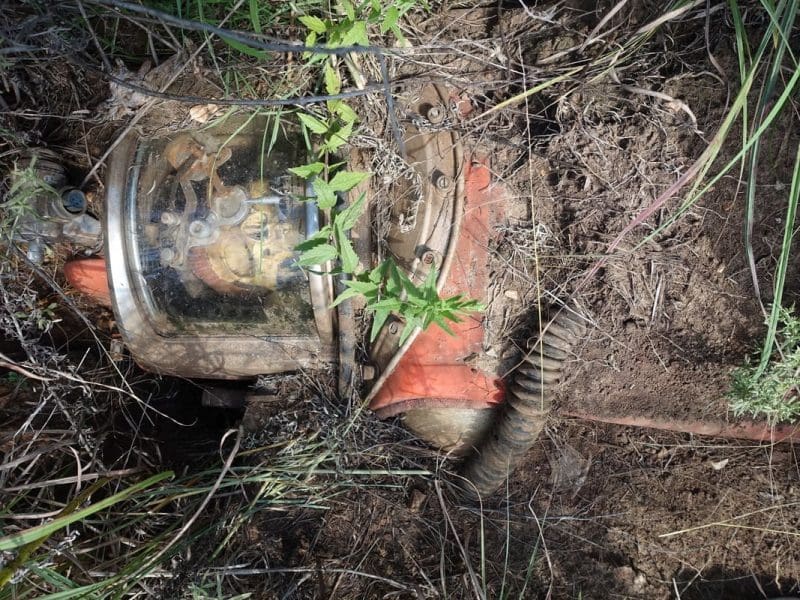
214, 217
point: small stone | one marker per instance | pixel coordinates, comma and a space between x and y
416, 501
202, 113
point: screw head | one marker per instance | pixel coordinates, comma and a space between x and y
368, 372
394, 327
168, 218
427, 258
435, 114
199, 229
167, 255
442, 181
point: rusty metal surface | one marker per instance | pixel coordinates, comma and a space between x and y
425, 224
437, 370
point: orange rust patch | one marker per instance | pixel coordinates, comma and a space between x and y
435, 371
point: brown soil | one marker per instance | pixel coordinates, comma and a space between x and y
601, 511
596, 511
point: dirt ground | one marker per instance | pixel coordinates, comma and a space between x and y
595, 511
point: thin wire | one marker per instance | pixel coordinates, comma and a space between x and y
272, 44
261, 42
303, 100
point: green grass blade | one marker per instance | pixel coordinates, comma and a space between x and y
11, 542
783, 262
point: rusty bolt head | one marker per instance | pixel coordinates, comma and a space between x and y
427, 258
435, 114
442, 181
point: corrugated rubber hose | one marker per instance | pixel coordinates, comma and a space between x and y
522, 417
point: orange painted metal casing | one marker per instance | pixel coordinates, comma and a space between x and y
89, 276
436, 371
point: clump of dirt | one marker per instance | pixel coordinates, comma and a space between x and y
667, 515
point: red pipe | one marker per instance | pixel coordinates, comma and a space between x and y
747, 430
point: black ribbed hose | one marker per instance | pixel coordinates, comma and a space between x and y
523, 416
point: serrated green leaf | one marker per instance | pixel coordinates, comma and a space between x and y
315, 24
306, 171
350, 215
343, 110
347, 255
414, 292
391, 303
443, 324
398, 34
345, 295
362, 287
348, 8
313, 124
321, 237
345, 181
377, 323
411, 325
377, 274
326, 197
357, 35
394, 279
318, 255
338, 138
333, 82
390, 19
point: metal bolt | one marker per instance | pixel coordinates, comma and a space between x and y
435, 114
368, 372
168, 218
394, 327
441, 181
199, 229
428, 257
167, 255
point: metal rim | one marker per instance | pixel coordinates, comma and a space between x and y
223, 357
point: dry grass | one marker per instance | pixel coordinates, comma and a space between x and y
323, 501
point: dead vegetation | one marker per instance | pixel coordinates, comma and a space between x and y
309, 496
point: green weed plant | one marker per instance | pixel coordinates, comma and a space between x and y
385, 288
773, 392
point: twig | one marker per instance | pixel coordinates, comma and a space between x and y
728, 522
162, 95
261, 42
590, 39
97, 45
237, 572
473, 578
530, 92
10, 364
150, 103
69, 480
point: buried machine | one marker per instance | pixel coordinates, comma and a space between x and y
198, 262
